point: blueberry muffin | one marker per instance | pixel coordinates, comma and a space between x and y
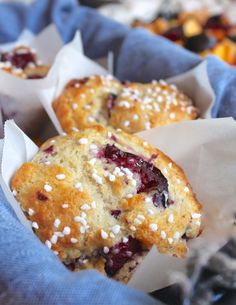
132, 107
102, 198
23, 62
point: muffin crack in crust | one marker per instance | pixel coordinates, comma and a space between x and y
101, 199
132, 107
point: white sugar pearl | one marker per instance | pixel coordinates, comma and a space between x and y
48, 244
153, 227
54, 239
65, 205
196, 215
148, 200
176, 235
66, 231
126, 123
163, 234
82, 230
60, 176
30, 211
171, 218
106, 250
92, 161
83, 141
137, 221
115, 229
150, 211
47, 188
85, 207
79, 186
133, 182
93, 205
140, 216
35, 225
186, 189
112, 178
93, 147
125, 240
57, 223
81, 220
104, 234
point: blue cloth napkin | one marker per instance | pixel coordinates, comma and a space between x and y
29, 272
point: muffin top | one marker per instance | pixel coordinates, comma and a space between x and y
91, 195
23, 62
132, 107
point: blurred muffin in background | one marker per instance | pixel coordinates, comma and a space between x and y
23, 62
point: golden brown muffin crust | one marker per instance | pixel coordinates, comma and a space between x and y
70, 190
132, 107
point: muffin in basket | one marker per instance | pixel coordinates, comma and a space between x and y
132, 107
102, 198
23, 62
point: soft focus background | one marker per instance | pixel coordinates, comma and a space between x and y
100, 36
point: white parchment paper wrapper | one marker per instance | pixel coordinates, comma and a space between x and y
16, 149
194, 83
206, 151
74, 65
19, 97
25, 38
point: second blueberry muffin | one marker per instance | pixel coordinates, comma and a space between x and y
132, 107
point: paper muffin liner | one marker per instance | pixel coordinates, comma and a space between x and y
25, 38
194, 83
19, 97
205, 149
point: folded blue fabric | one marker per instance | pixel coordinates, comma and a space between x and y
29, 272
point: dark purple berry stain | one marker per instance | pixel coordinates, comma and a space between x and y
174, 34
113, 138
151, 177
125, 82
49, 150
70, 266
185, 237
120, 254
216, 23
18, 60
115, 213
35, 76
83, 80
153, 157
111, 102
41, 196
